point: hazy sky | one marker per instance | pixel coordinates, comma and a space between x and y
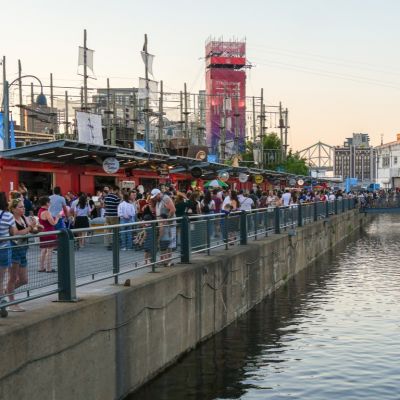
333, 63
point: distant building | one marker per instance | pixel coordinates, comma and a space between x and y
388, 164
355, 159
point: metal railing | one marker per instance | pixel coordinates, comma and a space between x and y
78, 257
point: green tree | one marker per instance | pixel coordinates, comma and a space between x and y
295, 165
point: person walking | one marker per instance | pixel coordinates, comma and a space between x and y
7, 229
82, 212
58, 204
49, 242
126, 214
18, 273
111, 203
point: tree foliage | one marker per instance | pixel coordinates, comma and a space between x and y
272, 156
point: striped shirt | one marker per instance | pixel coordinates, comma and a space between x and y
6, 222
111, 202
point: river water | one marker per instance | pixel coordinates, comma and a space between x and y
333, 332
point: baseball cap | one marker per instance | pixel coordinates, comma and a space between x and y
154, 193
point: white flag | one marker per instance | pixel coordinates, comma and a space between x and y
89, 58
150, 59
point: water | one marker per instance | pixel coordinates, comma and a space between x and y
332, 333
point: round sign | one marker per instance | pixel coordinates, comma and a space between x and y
224, 176
292, 181
243, 177
196, 172
258, 179
300, 182
201, 155
111, 165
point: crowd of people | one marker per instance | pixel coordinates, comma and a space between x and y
111, 206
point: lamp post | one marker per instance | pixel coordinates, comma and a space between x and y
40, 101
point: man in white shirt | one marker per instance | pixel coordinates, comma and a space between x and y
286, 198
246, 202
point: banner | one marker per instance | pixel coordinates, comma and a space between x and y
11, 133
150, 59
151, 93
89, 59
89, 128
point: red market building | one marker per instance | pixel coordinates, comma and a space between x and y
79, 167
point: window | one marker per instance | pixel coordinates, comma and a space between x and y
385, 161
394, 160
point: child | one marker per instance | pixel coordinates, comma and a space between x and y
165, 239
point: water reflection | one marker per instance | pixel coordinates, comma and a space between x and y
330, 333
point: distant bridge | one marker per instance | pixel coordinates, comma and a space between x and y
319, 156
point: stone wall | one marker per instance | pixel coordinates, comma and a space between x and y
105, 346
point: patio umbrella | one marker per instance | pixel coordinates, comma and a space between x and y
215, 183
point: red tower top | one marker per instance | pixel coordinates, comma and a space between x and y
225, 54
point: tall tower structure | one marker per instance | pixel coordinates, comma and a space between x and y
226, 97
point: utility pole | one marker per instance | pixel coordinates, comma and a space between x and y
66, 113
6, 132
135, 115
114, 130
254, 120
52, 105
286, 131
108, 121
161, 113
186, 113
237, 115
21, 110
147, 106
281, 126
222, 139
32, 103
82, 109
262, 122
181, 112
85, 75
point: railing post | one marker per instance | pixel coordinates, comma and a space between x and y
66, 266
243, 228
315, 210
336, 206
185, 240
225, 232
300, 215
277, 220
154, 247
343, 200
327, 208
115, 252
208, 235
266, 222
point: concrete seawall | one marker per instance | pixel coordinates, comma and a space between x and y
105, 346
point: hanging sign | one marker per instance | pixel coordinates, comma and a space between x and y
243, 177
258, 179
224, 176
111, 165
300, 182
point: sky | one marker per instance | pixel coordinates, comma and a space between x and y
333, 64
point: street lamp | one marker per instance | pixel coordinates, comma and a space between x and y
40, 101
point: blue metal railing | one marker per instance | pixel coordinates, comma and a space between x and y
82, 256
